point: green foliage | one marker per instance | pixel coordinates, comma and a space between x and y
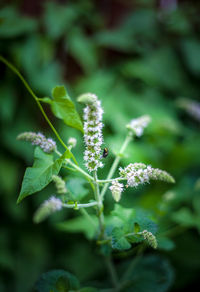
119, 240
76, 188
84, 224
63, 108
40, 174
57, 281
139, 59
126, 225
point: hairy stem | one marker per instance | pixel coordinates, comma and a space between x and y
113, 274
100, 205
114, 166
86, 205
103, 181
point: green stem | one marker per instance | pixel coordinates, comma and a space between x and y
14, 69
87, 205
80, 170
129, 137
103, 181
68, 161
114, 277
100, 205
132, 265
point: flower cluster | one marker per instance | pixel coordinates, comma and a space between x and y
50, 206
93, 134
150, 238
47, 145
139, 173
137, 125
116, 190
60, 184
72, 142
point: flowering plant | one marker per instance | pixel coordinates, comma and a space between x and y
121, 229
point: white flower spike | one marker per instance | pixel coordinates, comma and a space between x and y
93, 133
139, 173
38, 139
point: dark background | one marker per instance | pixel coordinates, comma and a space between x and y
139, 57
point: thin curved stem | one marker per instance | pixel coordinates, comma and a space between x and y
14, 69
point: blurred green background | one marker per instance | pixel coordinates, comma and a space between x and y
139, 57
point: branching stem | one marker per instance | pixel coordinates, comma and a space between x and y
114, 166
14, 69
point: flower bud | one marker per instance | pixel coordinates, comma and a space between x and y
137, 125
116, 190
72, 142
87, 98
150, 238
47, 208
60, 184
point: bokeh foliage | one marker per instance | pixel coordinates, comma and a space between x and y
139, 59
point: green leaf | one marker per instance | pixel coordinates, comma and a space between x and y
86, 225
64, 109
57, 281
76, 188
40, 174
132, 220
118, 240
124, 224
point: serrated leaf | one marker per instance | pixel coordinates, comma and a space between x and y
132, 219
63, 108
40, 174
56, 281
119, 241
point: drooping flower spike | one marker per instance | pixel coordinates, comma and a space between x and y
140, 173
150, 238
38, 139
49, 206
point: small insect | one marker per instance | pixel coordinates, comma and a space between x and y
105, 152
